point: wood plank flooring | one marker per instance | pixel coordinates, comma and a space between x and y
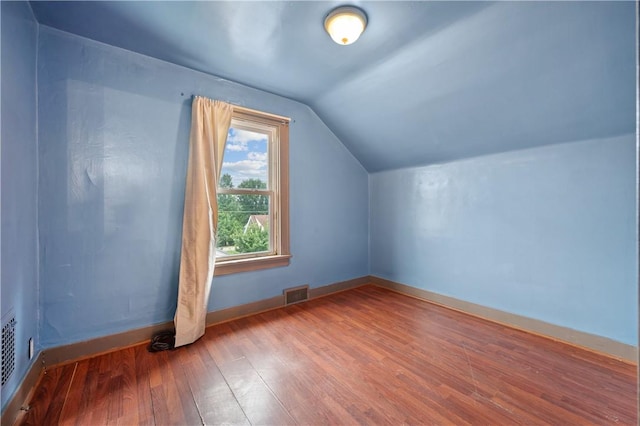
364, 356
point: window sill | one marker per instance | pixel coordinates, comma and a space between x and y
253, 264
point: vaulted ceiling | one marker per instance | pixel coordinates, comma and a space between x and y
427, 82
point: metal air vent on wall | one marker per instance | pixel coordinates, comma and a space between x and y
8, 346
296, 294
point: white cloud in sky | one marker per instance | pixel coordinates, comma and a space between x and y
245, 165
254, 163
238, 139
244, 136
258, 156
236, 146
246, 169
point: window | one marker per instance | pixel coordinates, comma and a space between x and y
253, 194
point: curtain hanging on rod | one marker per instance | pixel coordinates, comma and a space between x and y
210, 121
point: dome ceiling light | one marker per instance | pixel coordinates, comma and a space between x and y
345, 24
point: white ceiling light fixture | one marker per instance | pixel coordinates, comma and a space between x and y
345, 24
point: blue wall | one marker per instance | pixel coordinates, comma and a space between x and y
113, 129
19, 182
548, 233
94, 205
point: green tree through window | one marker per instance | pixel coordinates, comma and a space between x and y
253, 204
229, 221
235, 232
253, 194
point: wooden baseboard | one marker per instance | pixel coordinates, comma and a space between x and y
90, 348
76, 351
580, 339
236, 312
241, 311
73, 352
338, 287
12, 411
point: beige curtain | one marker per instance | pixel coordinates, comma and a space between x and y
210, 121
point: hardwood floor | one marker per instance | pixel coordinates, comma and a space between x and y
367, 356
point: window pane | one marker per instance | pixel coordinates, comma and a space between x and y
253, 200
245, 160
243, 224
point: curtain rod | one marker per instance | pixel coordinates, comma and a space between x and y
262, 113
252, 111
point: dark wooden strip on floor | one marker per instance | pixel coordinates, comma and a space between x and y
172, 401
101, 394
52, 392
215, 401
73, 408
364, 356
88, 389
257, 401
128, 392
142, 360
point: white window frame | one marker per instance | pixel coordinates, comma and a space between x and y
277, 128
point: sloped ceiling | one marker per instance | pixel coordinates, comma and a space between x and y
427, 82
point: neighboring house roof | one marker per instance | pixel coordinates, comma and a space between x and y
261, 220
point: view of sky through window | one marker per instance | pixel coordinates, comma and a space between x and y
245, 156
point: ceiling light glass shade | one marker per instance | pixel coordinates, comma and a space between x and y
345, 24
